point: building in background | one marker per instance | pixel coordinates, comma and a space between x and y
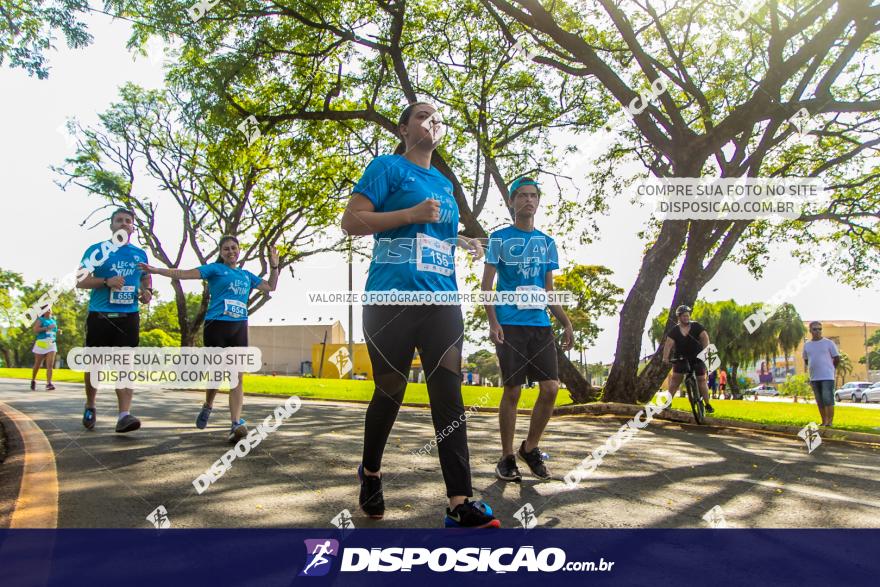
287, 348
314, 349
850, 337
336, 363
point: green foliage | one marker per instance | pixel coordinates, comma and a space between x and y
157, 337
28, 27
17, 340
163, 315
844, 367
796, 386
724, 321
486, 364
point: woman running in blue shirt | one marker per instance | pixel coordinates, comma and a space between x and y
45, 348
226, 324
408, 205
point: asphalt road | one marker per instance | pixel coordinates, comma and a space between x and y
303, 474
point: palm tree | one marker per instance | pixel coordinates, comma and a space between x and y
791, 330
844, 367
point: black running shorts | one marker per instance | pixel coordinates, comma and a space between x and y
528, 353
698, 365
113, 329
225, 333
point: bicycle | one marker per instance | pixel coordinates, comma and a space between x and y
693, 391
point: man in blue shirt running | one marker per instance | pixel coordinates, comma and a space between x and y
117, 285
524, 258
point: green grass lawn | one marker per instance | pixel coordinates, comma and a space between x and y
790, 414
786, 414
334, 389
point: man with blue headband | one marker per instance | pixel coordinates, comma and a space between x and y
524, 258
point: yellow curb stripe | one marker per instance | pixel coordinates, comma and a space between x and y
37, 502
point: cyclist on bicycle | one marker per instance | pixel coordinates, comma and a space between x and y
689, 338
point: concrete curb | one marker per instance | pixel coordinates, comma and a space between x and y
36, 505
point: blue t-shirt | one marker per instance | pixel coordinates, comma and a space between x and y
229, 289
522, 260
413, 257
44, 322
123, 261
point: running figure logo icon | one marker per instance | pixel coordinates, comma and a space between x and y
710, 358
526, 516
715, 517
159, 517
343, 520
810, 434
317, 556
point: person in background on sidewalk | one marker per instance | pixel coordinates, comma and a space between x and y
524, 259
117, 285
226, 321
45, 347
821, 358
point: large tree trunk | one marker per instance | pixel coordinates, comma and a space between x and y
7, 357
732, 380
580, 390
690, 280
621, 384
189, 326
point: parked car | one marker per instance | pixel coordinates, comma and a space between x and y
851, 390
768, 390
868, 394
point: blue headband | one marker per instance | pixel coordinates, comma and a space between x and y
521, 181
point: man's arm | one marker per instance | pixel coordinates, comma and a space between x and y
496, 333
92, 282
559, 313
704, 339
146, 289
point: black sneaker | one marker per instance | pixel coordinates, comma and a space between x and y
89, 417
709, 409
127, 424
371, 499
471, 514
33, 385
534, 460
506, 469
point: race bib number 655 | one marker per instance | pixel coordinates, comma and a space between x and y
123, 295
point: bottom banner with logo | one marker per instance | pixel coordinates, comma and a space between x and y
434, 557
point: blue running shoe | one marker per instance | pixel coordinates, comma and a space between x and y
202, 418
471, 514
89, 417
237, 431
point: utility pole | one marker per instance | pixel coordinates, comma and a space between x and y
350, 312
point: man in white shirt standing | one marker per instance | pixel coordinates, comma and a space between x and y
821, 359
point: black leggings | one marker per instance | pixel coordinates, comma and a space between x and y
393, 333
